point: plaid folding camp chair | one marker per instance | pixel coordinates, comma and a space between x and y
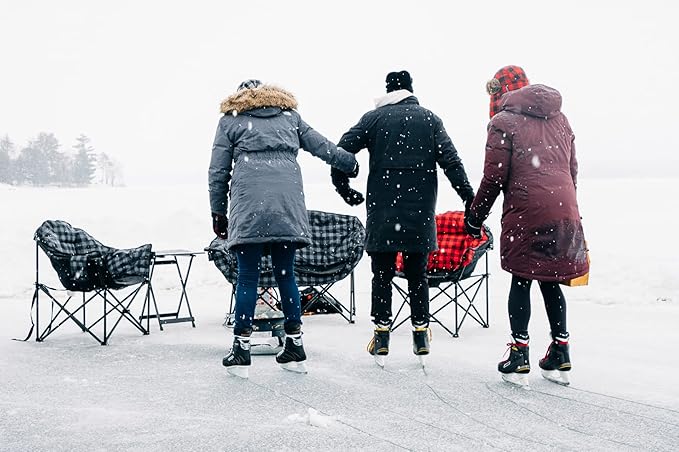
336, 248
85, 265
451, 269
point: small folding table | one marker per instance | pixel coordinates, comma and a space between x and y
169, 257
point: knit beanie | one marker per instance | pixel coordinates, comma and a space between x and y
509, 78
249, 84
399, 80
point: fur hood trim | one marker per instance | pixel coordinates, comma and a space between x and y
263, 96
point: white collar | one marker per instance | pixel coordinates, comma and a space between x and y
393, 97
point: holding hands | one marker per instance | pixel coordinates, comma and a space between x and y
220, 225
469, 221
351, 197
341, 182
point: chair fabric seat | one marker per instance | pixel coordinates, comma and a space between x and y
337, 246
83, 263
458, 252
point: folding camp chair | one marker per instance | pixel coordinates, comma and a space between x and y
85, 265
450, 274
336, 248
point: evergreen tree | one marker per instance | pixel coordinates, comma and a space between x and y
84, 161
32, 166
110, 169
6, 153
41, 162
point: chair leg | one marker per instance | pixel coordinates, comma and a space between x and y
36, 295
84, 318
105, 316
457, 325
405, 297
352, 298
486, 277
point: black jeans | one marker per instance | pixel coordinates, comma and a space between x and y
415, 268
519, 306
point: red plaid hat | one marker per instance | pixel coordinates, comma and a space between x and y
456, 247
506, 79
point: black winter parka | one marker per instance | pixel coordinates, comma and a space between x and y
405, 142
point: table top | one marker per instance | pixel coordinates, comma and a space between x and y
178, 252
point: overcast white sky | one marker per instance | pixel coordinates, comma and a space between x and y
144, 79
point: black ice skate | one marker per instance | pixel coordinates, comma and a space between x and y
557, 362
292, 356
421, 339
516, 367
237, 362
379, 344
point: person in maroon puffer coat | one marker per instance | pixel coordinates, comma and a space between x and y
530, 158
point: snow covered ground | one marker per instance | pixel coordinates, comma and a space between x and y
168, 390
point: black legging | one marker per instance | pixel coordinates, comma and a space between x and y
383, 266
519, 306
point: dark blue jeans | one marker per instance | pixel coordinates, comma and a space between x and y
249, 261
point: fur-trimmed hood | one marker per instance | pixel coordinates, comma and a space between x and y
263, 96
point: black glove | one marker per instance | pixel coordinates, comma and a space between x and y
471, 229
220, 224
467, 206
341, 182
354, 172
351, 196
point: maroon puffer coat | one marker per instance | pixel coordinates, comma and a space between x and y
530, 157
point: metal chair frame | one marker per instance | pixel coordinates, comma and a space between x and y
462, 300
111, 303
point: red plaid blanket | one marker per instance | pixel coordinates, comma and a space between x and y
456, 247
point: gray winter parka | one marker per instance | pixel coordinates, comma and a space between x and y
255, 149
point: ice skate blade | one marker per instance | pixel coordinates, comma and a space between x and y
380, 360
556, 376
423, 360
297, 367
520, 380
239, 371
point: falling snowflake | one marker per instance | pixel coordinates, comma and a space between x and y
397, 227
535, 161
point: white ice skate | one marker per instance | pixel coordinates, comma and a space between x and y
556, 376
239, 371
423, 360
520, 380
380, 360
294, 366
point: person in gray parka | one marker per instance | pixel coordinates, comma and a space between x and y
254, 162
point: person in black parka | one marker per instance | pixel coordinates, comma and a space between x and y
406, 142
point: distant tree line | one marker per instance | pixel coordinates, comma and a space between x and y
42, 161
